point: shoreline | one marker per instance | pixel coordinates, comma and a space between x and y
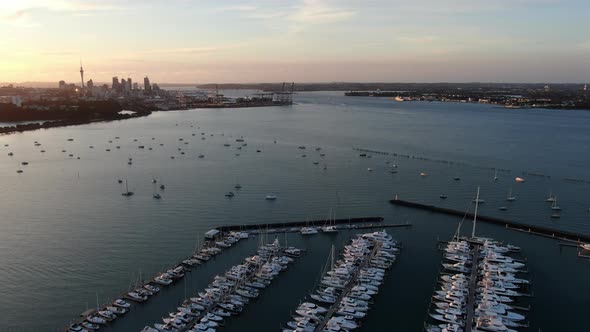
66, 123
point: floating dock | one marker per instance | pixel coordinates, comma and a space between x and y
517, 226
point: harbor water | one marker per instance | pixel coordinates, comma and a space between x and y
69, 239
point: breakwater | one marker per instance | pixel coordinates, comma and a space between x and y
517, 226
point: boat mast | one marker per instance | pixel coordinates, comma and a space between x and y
475, 214
332, 258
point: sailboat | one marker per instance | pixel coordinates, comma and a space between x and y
127, 192
496, 175
551, 198
330, 226
510, 198
554, 206
156, 194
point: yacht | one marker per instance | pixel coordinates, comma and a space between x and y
443, 196
585, 246
229, 194
238, 186
270, 197
510, 197
551, 198
157, 196
308, 230
554, 206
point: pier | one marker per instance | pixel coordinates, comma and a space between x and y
516, 226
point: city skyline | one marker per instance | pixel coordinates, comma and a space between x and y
304, 41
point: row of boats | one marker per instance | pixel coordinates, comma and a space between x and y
142, 292
479, 290
228, 294
344, 293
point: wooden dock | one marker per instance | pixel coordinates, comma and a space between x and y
517, 226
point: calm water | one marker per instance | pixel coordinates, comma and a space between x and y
67, 236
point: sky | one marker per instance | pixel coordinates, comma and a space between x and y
217, 41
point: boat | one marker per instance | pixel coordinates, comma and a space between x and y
423, 174
162, 187
456, 178
157, 196
127, 192
551, 198
308, 230
229, 194
554, 206
585, 246
555, 216
510, 198
443, 196
496, 175
270, 197
502, 208
519, 179
238, 186
330, 226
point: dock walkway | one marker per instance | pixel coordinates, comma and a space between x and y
472, 284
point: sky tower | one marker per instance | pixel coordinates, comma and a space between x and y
82, 74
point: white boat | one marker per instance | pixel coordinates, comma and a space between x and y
510, 198
330, 226
270, 197
554, 206
308, 230
496, 175
519, 179
585, 246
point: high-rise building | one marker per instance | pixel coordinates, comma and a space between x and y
115, 85
62, 84
130, 83
90, 84
146, 85
135, 86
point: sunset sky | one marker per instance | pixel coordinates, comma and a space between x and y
200, 41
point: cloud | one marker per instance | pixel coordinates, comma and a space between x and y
318, 12
238, 8
23, 9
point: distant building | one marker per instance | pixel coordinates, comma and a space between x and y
123, 85
90, 84
146, 85
115, 85
155, 87
62, 85
130, 83
135, 86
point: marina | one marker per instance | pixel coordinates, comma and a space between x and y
343, 294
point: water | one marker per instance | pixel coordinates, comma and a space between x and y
67, 236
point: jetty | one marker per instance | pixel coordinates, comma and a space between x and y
511, 225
